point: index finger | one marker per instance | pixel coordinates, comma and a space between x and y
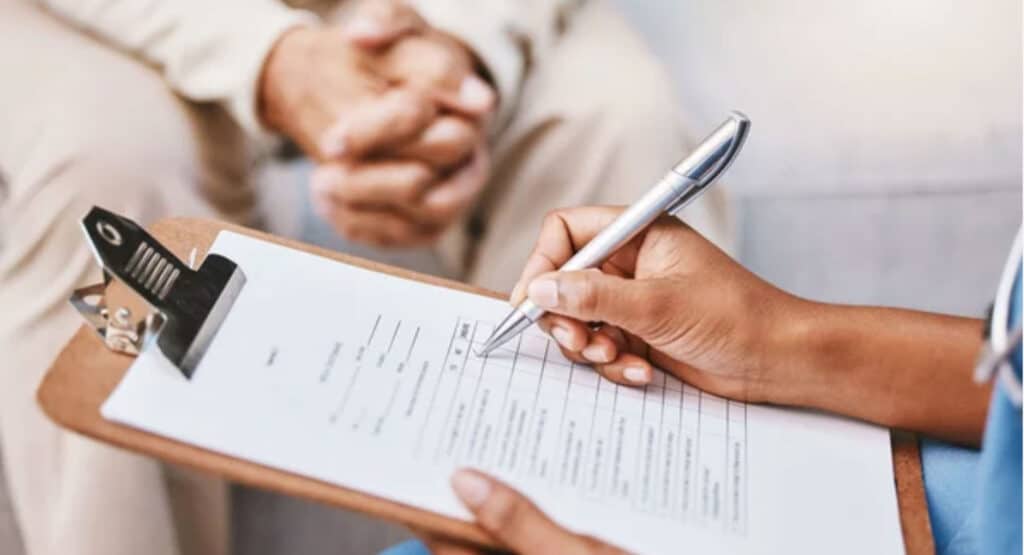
395, 118
445, 143
562, 234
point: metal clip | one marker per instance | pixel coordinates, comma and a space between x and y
117, 330
187, 306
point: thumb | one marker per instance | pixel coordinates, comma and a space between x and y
591, 295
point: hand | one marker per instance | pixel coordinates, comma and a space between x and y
670, 298
410, 196
314, 78
335, 91
402, 166
514, 521
395, 203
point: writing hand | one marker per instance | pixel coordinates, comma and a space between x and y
669, 297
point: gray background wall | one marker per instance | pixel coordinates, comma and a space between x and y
884, 167
884, 163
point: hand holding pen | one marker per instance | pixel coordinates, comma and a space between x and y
683, 183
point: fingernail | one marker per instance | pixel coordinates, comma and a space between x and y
636, 374
332, 145
544, 292
443, 195
476, 93
444, 131
594, 353
562, 336
363, 28
471, 488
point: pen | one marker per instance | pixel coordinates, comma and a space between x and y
686, 181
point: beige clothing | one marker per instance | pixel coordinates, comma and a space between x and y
85, 124
207, 53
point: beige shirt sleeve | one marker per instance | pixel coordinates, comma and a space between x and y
507, 35
208, 51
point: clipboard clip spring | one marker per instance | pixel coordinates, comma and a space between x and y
117, 330
186, 306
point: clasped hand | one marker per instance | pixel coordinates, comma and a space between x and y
393, 112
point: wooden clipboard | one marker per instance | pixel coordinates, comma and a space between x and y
86, 372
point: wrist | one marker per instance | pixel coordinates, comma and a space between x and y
283, 65
798, 354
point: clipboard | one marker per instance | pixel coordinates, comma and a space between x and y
90, 366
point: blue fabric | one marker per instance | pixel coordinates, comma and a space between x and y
950, 486
1000, 477
411, 547
974, 498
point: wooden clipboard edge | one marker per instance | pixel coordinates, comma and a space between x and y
913, 505
62, 397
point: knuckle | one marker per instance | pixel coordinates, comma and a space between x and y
552, 219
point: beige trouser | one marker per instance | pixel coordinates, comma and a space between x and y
84, 124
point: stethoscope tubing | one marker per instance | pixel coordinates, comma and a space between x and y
1002, 342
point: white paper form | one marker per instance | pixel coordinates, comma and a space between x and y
369, 381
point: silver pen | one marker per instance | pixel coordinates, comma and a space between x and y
683, 183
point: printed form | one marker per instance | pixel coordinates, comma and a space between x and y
370, 381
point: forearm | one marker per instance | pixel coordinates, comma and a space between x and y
899, 368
